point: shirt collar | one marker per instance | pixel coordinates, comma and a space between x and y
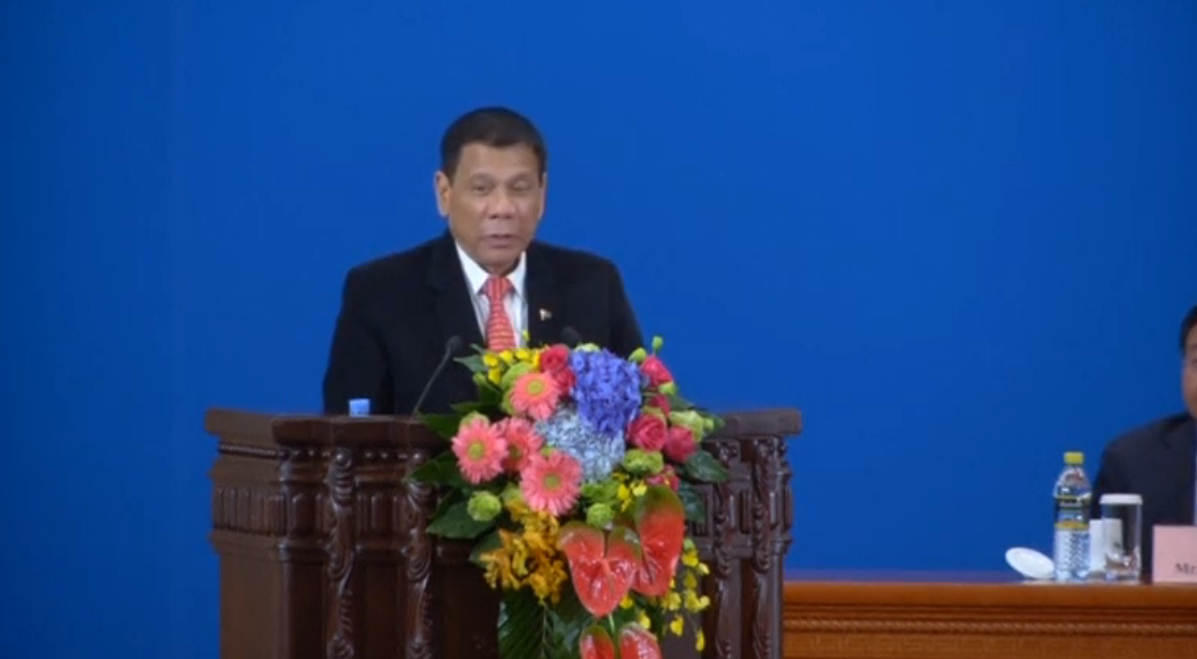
476, 276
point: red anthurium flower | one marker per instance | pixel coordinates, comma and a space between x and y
602, 565
661, 525
635, 642
596, 643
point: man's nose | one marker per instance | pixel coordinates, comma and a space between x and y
501, 204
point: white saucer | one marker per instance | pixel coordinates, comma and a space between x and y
1030, 563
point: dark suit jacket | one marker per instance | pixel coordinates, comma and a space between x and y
397, 313
1155, 461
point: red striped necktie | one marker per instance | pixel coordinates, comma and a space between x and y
499, 334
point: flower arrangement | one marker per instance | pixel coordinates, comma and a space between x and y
573, 474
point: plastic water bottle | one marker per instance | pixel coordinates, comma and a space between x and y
1070, 547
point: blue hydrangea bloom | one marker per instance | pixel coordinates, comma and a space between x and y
607, 391
567, 431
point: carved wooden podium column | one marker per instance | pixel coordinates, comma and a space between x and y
323, 552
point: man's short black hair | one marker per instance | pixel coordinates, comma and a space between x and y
493, 126
1187, 326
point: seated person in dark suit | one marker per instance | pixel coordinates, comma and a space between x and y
1158, 461
485, 281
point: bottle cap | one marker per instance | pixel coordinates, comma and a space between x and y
1074, 458
359, 407
1118, 499
1030, 563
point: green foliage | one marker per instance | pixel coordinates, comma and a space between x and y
455, 522
444, 425
701, 466
528, 630
441, 470
691, 502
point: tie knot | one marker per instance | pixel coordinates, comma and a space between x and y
496, 289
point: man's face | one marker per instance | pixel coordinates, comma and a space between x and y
493, 203
1189, 379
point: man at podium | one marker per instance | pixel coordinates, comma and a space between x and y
1158, 461
484, 281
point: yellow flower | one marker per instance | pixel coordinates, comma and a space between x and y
626, 602
672, 602
700, 641
523, 355
498, 563
546, 582
490, 360
519, 560
528, 557
507, 357
640, 489
694, 603
690, 582
625, 497
540, 585
644, 621
495, 375
676, 626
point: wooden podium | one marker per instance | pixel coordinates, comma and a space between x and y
323, 552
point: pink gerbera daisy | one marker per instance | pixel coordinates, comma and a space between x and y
480, 449
551, 483
522, 441
535, 394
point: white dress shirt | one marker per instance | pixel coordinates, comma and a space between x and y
516, 302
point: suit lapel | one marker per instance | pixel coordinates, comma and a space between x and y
544, 300
453, 307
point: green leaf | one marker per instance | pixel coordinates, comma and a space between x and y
677, 403
692, 502
453, 497
473, 362
703, 467
521, 626
488, 543
490, 395
466, 408
528, 630
441, 470
567, 619
444, 425
621, 616
455, 522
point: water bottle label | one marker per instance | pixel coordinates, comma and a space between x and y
1071, 525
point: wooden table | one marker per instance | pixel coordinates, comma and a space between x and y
935, 615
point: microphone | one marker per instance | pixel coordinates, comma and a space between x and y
570, 337
451, 347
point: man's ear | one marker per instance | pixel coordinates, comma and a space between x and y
544, 186
441, 187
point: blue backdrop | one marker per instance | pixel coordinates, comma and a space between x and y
958, 236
